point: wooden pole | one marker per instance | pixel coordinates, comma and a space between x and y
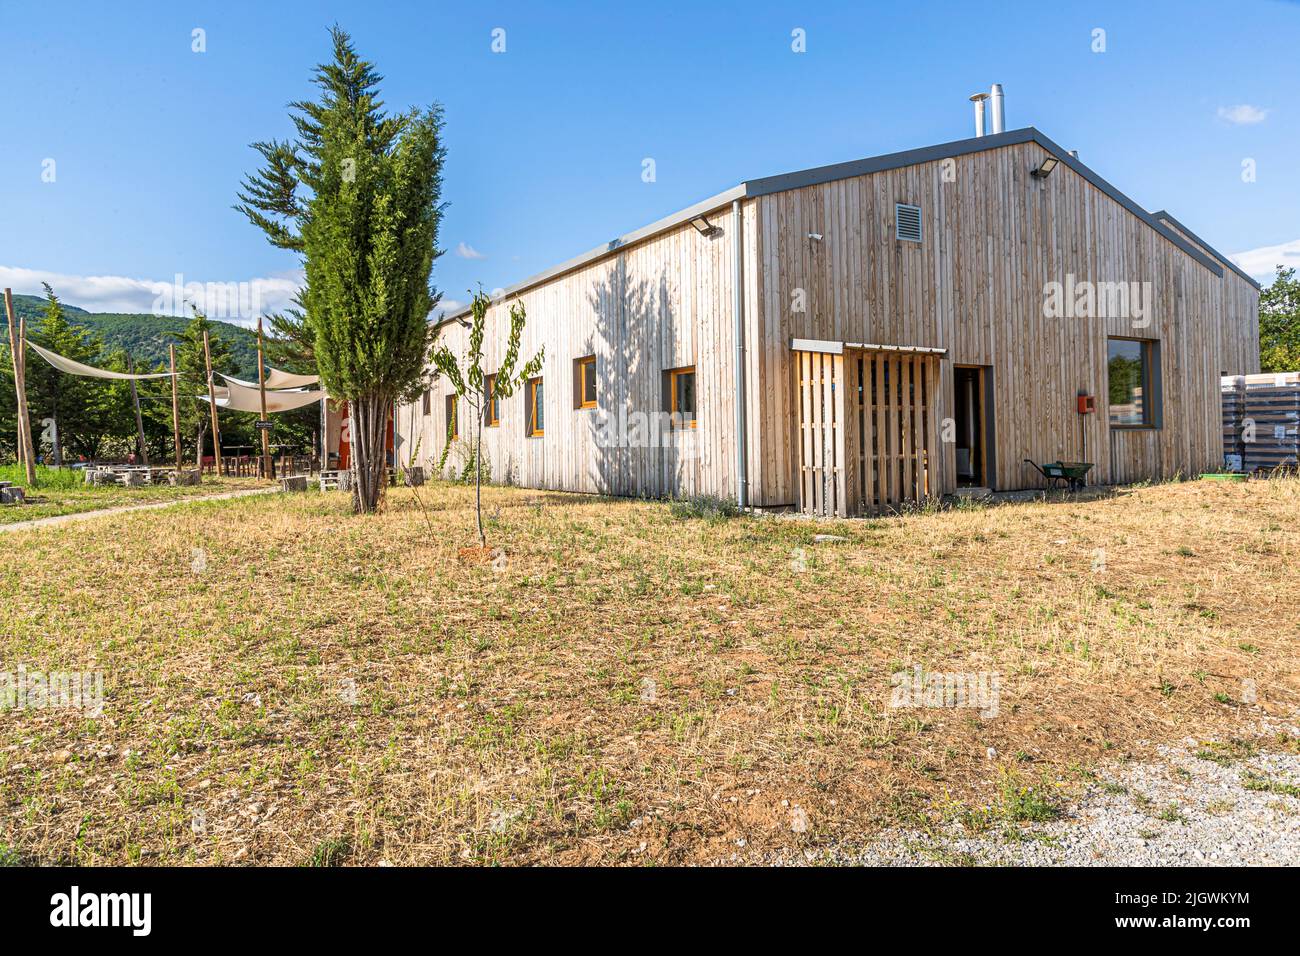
18, 350
176, 411
261, 385
212, 400
139, 422
19, 445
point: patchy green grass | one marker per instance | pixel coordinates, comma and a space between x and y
286, 683
707, 507
1264, 785
65, 492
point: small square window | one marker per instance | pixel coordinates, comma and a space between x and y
584, 382
536, 408
681, 396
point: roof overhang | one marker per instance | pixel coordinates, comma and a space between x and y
831, 347
753, 188
1164, 216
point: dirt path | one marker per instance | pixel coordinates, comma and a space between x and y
119, 509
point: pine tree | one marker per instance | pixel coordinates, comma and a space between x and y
357, 194
73, 404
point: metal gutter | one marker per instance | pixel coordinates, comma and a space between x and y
712, 204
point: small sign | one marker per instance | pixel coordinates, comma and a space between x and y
263, 426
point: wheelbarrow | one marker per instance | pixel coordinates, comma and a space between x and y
1070, 474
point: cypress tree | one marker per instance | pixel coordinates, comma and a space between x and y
357, 194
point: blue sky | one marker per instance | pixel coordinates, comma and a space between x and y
546, 140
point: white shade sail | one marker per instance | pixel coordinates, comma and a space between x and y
86, 371
241, 398
277, 379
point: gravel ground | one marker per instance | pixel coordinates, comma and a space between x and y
1179, 810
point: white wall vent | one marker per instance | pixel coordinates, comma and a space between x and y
907, 220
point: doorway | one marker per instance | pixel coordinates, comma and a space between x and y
972, 400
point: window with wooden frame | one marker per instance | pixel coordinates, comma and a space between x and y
681, 396
453, 426
426, 400
536, 408
492, 407
584, 382
1133, 376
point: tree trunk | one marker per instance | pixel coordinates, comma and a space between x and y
478, 480
198, 450
368, 419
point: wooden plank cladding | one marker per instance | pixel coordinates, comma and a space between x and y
868, 433
994, 239
853, 339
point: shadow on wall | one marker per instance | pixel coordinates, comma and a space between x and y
633, 451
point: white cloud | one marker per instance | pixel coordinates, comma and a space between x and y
239, 301
1262, 263
1243, 114
236, 301
468, 252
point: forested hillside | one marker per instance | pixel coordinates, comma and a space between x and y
145, 337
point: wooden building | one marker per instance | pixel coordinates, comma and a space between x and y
859, 336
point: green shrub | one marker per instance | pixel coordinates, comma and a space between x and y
465, 451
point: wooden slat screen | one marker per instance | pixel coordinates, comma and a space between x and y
821, 431
868, 433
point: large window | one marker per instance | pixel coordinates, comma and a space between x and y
1133, 377
681, 396
491, 411
453, 426
536, 408
584, 382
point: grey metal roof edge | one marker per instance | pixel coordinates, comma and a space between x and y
1165, 215
1087, 173
879, 164
860, 167
724, 198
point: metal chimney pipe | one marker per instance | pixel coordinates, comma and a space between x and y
978, 99
996, 96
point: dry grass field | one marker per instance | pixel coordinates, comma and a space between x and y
288, 684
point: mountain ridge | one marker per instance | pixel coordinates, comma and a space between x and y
143, 336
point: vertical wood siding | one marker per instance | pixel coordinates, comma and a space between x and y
661, 304
993, 238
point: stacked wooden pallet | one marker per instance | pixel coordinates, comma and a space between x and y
1261, 420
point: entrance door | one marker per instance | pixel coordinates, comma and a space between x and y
972, 420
